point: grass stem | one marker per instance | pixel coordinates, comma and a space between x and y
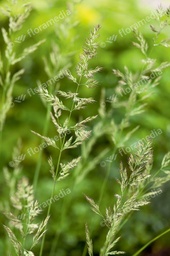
151, 241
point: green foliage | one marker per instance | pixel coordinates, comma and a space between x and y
88, 117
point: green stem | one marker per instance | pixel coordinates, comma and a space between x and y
0, 143
2, 103
57, 170
25, 224
85, 250
109, 168
106, 179
38, 166
64, 208
52, 195
151, 241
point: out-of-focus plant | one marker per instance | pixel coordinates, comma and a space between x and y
76, 134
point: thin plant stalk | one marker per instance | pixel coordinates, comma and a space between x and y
105, 180
64, 208
57, 235
57, 169
39, 162
52, 194
151, 241
109, 168
84, 251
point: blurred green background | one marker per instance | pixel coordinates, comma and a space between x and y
29, 113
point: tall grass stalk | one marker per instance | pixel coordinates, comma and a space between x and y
151, 241
137, 183
58, 165
131, 103
82, 71
57, 171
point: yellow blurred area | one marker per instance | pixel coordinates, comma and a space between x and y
87, 15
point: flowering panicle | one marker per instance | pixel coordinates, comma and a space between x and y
134, 193
26, 209
78, 133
